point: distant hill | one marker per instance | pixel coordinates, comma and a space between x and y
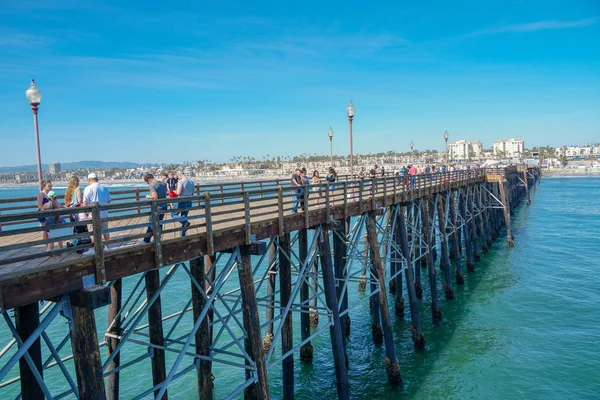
89, 165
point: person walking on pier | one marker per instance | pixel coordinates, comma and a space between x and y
316, 180
412, 171
42, 199
52, 204
185, 188
172, 181
331, 178
158, 190
297, 183
96, 192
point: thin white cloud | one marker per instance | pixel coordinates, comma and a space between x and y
534, 26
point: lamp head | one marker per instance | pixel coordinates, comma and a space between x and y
350, 109
330, 132
33, 94
446, 135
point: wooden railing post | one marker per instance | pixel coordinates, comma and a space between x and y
360, 194
305, 195
345, 200
222, 191
99, 272
137, 198
280, 208
247, 227
261, 188
158, 258
210, 246
327, 204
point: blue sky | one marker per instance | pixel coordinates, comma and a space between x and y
186, 80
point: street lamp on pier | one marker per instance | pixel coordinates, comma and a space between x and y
446, 139
412, 145
330, 133
34, 97
350, 112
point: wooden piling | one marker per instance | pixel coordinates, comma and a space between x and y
362, 283
392, 365
258, 390
455, 239
27, 320
114, 322
445, 260
436, 314
340, 250
395, 255
287, 332
466, 230
416, 234
470, 200
506, 203
86, 353
203, 336
481, 219
417, 334
374, 300
526, 180
335, 330
155, 327
270, 312
306, 351
314, 314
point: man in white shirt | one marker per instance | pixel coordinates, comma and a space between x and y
96, 192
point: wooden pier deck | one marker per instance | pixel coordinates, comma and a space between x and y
29, 273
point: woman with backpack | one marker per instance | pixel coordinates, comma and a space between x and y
331, 178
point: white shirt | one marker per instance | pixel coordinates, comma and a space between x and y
97, 192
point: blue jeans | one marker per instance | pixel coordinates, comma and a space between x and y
299, 201
181, 216
162, 207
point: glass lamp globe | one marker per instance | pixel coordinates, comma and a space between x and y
446, 135
330, 132
33, 94
350, 109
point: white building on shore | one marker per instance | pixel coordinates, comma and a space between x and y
572, 152
509, 147
463, 150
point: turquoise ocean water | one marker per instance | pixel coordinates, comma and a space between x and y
524, 325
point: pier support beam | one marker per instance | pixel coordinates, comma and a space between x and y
114, 322
466, 230
445, 260
506, 203
306, 351
455, 239
270, 312
27, 320
335, 330
395, 255
86, 353
340, 249
526, 181
470, 204
258, 390
436, 314
204, 334
415, 237
392, 365
159, 373
287, 332
417, 333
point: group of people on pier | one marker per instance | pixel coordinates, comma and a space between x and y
170, 186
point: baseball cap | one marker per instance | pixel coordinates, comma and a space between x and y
51, 194
92, 176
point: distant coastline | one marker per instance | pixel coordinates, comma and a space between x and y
578, 172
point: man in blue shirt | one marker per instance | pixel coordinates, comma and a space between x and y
158, 190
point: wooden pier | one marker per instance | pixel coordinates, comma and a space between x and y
318, 243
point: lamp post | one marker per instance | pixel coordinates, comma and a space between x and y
412, 145
446, 139
34, 97
350, 112
330, 133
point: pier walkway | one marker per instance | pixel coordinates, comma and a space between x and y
386, 226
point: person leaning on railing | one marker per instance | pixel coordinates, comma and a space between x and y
158, 190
